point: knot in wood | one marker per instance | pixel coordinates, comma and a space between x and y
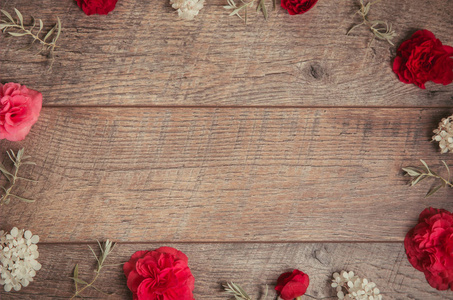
316, 71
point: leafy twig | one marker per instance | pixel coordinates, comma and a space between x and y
21, 30
238, 293
105, 251
18, 160
424, 172
380, 29
237, 9
262, 6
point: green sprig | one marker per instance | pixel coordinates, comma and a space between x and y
238, 293
380, 29
18, 160
19, 29
244, 5
424, 172
105, 251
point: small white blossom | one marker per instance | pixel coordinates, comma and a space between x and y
187, 9
18, 254
444, 134
351, 287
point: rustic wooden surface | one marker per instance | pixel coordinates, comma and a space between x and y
141, 54
254, 149
251, 265
213, 174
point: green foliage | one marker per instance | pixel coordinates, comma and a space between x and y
18, 160
238, 293
424, 172
105, 251
380, 29
20, 29
244, 5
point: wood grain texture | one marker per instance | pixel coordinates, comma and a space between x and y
245, 174
251, 265
141, 54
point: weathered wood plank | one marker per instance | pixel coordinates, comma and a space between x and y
226, 174
141, 54
251, 265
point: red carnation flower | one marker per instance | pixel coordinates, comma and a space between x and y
423, 58
297, 7
292, 285
162, 274
19, 110
100, 7
429, 247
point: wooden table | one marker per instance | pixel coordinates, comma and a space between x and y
254, 149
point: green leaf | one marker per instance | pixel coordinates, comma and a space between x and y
262, 6
17, 33
242, 292
50, 33
76, 275
40, 27
20, 153
426, 166
235, 12
23, 199
5, 172
419, 178
265, 293
11, 155
366, 9
411, 171
58, 30
236, 290
448, 170
8, 15
33, 25
433, 190
19, 15
76, 271
95, 256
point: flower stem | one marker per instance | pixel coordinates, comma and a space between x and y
77, 293
13, 182
439, 177
35, 37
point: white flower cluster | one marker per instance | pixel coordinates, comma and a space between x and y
187, 9
444, 134
18, 254
355, 287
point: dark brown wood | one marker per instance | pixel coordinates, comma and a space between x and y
251, 265
131, 146
141, 54
245, 174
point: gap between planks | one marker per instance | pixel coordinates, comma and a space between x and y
223, 242
248, 106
